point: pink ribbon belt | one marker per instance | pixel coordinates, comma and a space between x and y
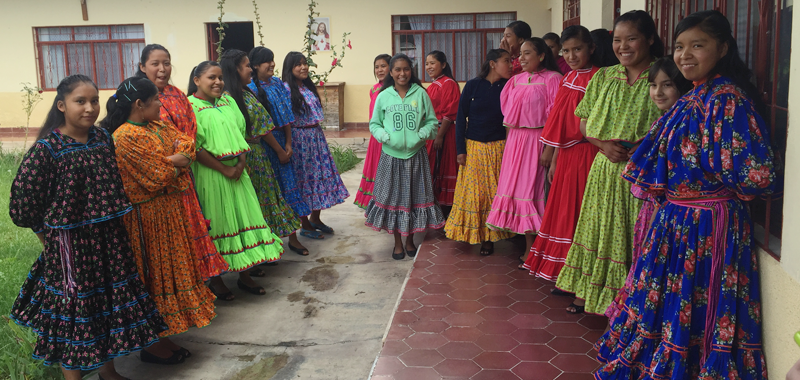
719, 214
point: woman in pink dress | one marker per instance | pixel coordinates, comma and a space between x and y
526, 101
364, 193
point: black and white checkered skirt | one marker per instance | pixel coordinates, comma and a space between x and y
403, 200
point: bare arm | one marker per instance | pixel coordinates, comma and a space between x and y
439, 141
207, 160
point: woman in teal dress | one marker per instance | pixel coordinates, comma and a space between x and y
224, 188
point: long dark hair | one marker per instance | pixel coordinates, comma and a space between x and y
381, 57
197, 71
146, 55
668, 66
521, 29
258, 56
442, 58
603, 48
389, 81
119, 106
55, 118
582, 34
491, 56
293, 59
549, 62
731, 65
229, 62
645, 25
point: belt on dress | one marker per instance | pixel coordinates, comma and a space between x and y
720, 215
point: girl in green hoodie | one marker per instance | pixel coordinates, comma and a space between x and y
402, 120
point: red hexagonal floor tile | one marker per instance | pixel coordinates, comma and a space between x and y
437, 288
497, 260
468, 273
497, 327
404, 318
527, 295
566, 329
496, 360
422, 264
497, 314
554, 302
594, 322
462, 334
412, 294
529, 321
429, 326
496, 289
467, 283
593, 336
464, 320
496, 279
408, 305
415, 283
570, 345
419, 273
495, 374
533, 336
464, 306
434, 300
468, 256
466, 294
460, 350
458, 368
440, 278
398, 332
446, 251
433, 313
426, 341
536, 371
387, 365
561, 315
496, 343
496, 301
442, 268
529, 308
461, 246
575, 363
534, 352
496, 269
470, 265
421, 358
411, 373
525, 284
575, 376
394, 348
444, 259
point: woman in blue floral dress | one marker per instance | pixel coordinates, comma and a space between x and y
694, 311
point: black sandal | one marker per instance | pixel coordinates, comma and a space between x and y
257, 290
398, 256
298, 251
182, 351
227, 296
147, 357
487, 251
578, 309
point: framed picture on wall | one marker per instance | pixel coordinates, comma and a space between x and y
321, 33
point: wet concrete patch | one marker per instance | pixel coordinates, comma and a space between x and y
336, 260
310, 311
322, 278
264, 369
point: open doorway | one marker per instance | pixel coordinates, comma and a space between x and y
238, 35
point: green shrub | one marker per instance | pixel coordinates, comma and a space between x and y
344, 157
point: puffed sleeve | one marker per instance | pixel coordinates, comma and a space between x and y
506, 98
553, 83
736, 146
450, 96
30, 191
461, 118
376, 123
593, 90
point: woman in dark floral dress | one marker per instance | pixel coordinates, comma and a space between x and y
83, 296
694, 309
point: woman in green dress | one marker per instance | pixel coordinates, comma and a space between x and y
238, 228
616, 114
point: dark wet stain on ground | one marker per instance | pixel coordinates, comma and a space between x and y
321, 278
264, 369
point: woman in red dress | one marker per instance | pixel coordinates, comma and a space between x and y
445, 94
364, 194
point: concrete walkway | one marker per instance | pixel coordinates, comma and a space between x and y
324, 316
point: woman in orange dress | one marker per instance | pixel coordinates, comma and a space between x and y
152, 157
156, 65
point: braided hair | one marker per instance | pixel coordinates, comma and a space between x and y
120, 105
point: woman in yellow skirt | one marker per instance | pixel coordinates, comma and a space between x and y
480, 141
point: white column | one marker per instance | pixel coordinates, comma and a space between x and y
630, 5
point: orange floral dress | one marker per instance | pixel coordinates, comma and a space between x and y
158, 226
176, 109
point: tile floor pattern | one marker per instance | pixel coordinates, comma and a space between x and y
463, 316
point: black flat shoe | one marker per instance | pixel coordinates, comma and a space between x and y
411, 252
186, 354
227, 296
257, 290
257, 272
147, 357
398, 256
300, 251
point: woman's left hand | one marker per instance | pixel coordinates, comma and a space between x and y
438, 142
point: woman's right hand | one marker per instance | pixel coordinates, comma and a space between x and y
551, 172
283, 157
462, 159
234, 172
614, 151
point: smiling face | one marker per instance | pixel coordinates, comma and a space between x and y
433, 67
210, 83
151, 109
401, 73
577, 53
529, 58
381, 69
300, 70
631, 47
663, 91
697, 53
244, 71
503, 66
265, 70
81, 107
513, 41
158, 68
